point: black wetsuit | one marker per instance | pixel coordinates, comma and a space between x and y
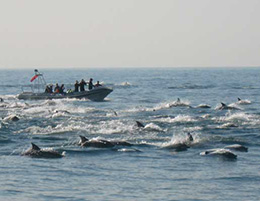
90, 85
82, 84
76, 87
62, 89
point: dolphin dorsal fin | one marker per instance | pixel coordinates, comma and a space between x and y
35, 147
223, 104
238, 99
139, 124
83, 139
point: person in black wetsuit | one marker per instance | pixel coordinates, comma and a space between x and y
90, 84
47, 89
51, 88
82, 84
76, 86
62, 88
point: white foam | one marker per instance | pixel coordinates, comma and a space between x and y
239, 116
191, 129
124, 84
128, 150
153, 127
177, 119
227, 125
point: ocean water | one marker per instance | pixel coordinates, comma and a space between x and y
151, 169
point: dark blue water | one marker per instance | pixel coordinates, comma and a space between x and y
151, 169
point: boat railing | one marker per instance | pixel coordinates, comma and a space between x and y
34, 88
38, 85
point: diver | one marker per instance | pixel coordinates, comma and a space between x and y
90, 84
97, 84
76, 85
82, 84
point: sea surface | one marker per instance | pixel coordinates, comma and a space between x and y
152, 168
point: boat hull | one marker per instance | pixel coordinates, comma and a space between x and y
96, 94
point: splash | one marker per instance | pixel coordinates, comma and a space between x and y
178, 119
153, 127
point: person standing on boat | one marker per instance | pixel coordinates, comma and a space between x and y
90, 84
76, 85
82, 84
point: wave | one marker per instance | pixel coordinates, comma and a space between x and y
237, 117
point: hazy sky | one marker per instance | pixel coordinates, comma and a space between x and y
129, 33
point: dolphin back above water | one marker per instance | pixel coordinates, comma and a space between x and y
99, 143
237, 147
243, 102
85, 142
225, 153
37, 152
227, 107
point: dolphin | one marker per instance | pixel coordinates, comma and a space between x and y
237, 147
243, 102
84, 142
203, 106
139, 124
223, 106
220, 152
121, 143
37, 152
11, 118
177, 147
226, 107
1, 100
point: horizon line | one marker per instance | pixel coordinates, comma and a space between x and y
125, 67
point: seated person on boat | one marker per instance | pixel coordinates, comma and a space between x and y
97, 84
48, 89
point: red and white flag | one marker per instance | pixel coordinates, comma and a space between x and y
34, 77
